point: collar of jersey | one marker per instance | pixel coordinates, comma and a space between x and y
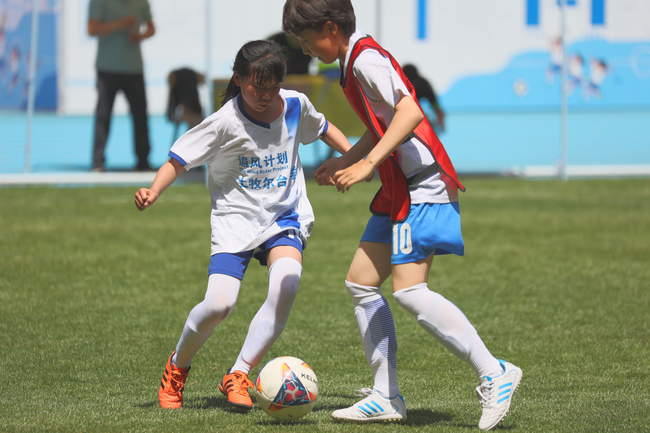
248, 116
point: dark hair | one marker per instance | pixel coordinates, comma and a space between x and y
263, 61
299, 15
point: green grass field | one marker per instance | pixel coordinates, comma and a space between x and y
94, 294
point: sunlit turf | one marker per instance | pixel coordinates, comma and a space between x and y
94, 294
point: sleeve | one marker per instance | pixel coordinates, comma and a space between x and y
313, 124
378, 79
197, 146
95, 10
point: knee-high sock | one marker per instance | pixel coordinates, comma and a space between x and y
375, 322
445, 322
220, 299
268, 323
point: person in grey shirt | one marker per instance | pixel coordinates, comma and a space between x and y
120, 25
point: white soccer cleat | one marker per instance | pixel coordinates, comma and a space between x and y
495, 395
374, 408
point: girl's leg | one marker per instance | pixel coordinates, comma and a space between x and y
440, 318
220, 299
369, 269
285, 269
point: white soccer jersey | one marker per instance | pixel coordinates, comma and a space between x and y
384, 88
256, 180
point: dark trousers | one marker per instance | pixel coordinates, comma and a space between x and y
132, 85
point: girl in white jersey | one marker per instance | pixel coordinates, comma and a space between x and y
259, 208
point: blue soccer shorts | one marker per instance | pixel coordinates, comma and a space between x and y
235, 264
429, 228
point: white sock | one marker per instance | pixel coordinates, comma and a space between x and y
268, 323
377, 330
445, 322
220, 299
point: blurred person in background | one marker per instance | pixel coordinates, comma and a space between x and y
120, 26
424, 90
298, 61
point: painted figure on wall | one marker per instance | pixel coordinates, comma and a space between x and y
598, 71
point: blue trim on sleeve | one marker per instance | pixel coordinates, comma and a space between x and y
292, 118
240, 104
327, 125
177, 158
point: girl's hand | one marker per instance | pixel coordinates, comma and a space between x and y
324, 174
362, 170
145, 198
166, 175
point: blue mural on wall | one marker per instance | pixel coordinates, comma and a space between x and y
421, 19
15, 58
597, 11
601, 74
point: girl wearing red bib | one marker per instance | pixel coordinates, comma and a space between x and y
415, 214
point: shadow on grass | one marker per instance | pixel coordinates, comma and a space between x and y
416, 417
211, 402
499, 427
505, 427
148, 405
419, 417
200, 403
277, 422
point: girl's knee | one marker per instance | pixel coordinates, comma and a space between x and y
360, 291
218, 311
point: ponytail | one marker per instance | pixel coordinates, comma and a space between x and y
263, 61
231, 91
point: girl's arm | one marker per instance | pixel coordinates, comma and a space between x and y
136, 36
407, 117
335, 139
359, 151
324, 174
166, 175
99, 28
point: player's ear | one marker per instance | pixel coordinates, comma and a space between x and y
330, 28
235, 77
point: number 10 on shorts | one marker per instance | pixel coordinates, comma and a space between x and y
402, 239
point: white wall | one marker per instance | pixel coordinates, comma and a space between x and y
180, 40
464, 37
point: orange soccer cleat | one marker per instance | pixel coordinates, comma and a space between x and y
170, 394
235, 386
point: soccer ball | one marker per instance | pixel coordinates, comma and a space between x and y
286, 388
